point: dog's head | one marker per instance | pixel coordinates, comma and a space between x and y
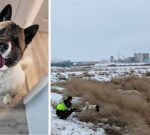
13, 39
97, 108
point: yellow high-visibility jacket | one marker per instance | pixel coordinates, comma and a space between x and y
62, 107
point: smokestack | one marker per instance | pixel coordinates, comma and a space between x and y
118, 56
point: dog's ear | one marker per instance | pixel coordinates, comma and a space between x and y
6, 13
30, 33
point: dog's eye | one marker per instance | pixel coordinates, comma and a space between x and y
16, 41
2, 31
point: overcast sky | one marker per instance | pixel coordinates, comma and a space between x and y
97, 29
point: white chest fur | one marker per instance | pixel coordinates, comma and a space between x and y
11, 78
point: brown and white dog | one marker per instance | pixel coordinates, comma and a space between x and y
13, 42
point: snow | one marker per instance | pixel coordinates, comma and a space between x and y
56, 98
54, 67
70, 126
76, 99
102, 72
77, 73
57, 87
118, 64
129, 91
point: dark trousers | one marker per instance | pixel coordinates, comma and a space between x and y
63, 114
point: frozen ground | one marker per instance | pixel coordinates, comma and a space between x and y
100, 72
71, 126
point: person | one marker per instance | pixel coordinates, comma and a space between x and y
65, 109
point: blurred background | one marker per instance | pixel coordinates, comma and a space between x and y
28, 12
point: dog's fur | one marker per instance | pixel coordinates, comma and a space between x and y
13, 42
91, 108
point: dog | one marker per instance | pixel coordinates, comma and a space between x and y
91, 108
14, 40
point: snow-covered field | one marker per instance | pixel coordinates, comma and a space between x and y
71, 126
99, 72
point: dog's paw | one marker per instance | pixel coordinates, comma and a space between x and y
7, 99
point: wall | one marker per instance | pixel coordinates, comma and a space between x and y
37, 113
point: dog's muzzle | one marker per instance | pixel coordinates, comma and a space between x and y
2, 61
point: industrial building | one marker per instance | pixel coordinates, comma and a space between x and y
141, 57
111, 58
65, 63
146, 57
129, 60
138, 58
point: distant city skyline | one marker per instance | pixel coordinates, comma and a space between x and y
117, 58
85, 30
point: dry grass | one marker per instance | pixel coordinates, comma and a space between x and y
132, 71
134, 83
61, 77
60, 84
145, 132
131, 110
104, 73
89, 117
86, 74
56, 91
147, 74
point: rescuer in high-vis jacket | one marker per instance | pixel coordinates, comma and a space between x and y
65, 109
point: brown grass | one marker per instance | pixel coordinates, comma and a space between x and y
131, 110
147, 74
95, 93
86, 74
61, 77
134, 83
132, 71
89, 117
103, 73
56, 91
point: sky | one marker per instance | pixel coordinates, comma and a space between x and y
85, 30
